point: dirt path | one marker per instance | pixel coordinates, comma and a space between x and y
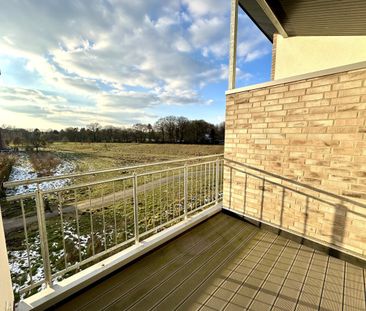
16, 223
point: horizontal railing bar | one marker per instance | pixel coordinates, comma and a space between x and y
198, 164
298, 183
11, 184
174, 168
84, 185
30, 287
95, 183
21, 196
161, 171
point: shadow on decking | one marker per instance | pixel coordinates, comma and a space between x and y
225, 263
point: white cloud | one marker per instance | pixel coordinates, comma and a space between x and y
127, 101
250, 50
199, 8
182, 45
57, 111
117, 54
210, 35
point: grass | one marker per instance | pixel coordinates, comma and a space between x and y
93, 156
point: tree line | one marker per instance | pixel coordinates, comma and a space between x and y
169, 129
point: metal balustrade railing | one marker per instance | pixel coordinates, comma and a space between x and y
59, 232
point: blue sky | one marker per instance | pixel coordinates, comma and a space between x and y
120, 62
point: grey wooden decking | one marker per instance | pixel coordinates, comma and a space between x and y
225, 263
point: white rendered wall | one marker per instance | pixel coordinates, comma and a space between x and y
300, 55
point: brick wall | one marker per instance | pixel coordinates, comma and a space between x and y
311, 131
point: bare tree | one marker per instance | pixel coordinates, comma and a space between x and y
37, 140
182, 126
160, 126
94, 128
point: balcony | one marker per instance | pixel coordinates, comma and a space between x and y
157, 237
60, 240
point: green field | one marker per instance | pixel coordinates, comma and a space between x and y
92, 156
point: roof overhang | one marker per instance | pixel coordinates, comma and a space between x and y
307, 17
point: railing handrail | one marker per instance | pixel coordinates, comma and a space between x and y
298, 183
15, 197
39, 180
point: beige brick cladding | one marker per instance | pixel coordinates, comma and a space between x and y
311, 131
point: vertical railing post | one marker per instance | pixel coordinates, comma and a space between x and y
233, 43
43, 237
135, 208
231, 186
217, 181
185, 190
6, 289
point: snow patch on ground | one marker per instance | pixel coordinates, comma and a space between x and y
23, 170
20, 266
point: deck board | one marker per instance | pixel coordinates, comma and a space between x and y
199, 297
354, 289
266, 294
229, 287
252, 282
195, 281
225, 263
332, 296
311, 292
287, 296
